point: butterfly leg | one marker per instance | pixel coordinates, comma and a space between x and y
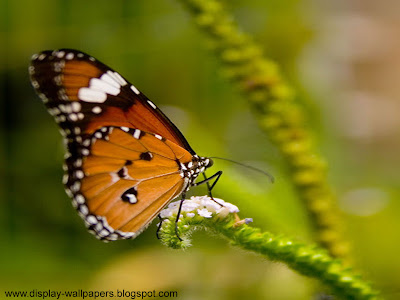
159, 226
208, 186
207, 181
218, 175
176, 221
178, 215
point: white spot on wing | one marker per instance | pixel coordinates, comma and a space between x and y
114, 177
78, 163
73, 117
132, 198
75, 188
90, 95
136, 134
68, 108
35, 84
69, 193
76, 106
103, 233
151, 104
84, 209
80, 199
107, 78
86, 142
109, 83
103, 86
117, 78
43, 97
96, 109
120, 79
135, 90
58, 79
91, 219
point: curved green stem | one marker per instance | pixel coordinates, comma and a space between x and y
308, 260
279, 116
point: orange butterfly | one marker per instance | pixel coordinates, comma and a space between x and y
125, 160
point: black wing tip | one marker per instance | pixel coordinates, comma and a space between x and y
63, 53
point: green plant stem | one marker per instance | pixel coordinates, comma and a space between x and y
308, 260
272, 100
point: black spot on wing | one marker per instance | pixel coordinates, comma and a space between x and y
146, 156
122, 173
130, 195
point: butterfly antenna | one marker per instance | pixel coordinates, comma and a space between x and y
271, 178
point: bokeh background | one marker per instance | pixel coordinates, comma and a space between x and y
343, 58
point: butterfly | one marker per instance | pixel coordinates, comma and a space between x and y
125, 160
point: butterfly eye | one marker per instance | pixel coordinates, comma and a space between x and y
210, 163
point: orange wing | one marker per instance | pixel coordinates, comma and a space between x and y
84, 95
124, 178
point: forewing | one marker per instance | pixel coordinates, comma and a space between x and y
84, 95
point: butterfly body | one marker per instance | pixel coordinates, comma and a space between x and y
125, 160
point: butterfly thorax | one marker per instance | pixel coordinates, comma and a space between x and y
192, 169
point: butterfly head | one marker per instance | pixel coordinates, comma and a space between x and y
193, 168
202, 163
208, 162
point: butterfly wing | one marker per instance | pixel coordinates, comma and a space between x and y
83, 94
123, 179
125, 159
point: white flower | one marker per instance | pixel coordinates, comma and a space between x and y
232, 208
223, 212
204, 213
204, 206
189, 205
219, 201
166, 213
212, 205
174, 204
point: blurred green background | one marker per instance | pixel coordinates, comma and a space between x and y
344, 60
